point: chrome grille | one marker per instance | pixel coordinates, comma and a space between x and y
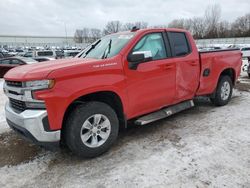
14, 83
17, 105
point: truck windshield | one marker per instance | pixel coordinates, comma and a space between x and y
107, 46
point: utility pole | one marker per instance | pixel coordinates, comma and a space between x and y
66, 35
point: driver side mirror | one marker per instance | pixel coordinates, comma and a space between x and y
136, 58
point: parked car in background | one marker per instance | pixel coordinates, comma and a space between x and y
4, 55
57, 54
43, 53
245, 52
71, 53
12, 52
248, 67
8, 63
28, 54
41, 59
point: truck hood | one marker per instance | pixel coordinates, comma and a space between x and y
43, 69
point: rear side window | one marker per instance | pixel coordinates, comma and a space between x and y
179, 43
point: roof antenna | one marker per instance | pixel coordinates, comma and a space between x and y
135, 28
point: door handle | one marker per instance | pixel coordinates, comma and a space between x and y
193, 63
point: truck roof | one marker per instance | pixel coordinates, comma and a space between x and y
151, 30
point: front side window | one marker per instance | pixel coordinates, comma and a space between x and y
107, 47
179, 43
153, 44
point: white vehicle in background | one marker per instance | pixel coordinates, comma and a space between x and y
57, 54
245, 52
43, 58
43, 53
71, 53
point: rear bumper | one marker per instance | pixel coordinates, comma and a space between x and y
29, 123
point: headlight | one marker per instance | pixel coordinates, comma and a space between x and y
40, 84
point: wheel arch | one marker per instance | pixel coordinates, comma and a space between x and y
110, 98
228, 72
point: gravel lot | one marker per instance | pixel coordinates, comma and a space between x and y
205, 146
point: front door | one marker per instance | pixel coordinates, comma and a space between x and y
151, 85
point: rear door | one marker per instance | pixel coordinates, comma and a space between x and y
187, 65
152, 84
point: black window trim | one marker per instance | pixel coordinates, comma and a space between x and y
171, 44
166, 46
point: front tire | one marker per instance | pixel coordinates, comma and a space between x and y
223, 91
91, 129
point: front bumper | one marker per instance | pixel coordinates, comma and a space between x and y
30, 124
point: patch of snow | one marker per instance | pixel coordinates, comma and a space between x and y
205, 146
3, 125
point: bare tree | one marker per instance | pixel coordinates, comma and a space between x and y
198, 27
159, 26
141, 25
78, 37
208, 26
86, 34
128, 26
224, 29
112, 27
241, 26
95, 34
177, 23
212, 18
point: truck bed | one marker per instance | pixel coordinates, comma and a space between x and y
212, 63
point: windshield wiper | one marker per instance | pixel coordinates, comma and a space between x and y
91, 48
105, 55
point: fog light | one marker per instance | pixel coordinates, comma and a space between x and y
36, 105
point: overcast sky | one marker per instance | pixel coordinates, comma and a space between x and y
47, 17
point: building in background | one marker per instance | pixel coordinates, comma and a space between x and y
224, 42
36, 41
63, 42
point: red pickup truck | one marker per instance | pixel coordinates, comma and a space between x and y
140, 75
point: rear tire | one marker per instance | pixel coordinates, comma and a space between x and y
248, 75
223, 91
91, 129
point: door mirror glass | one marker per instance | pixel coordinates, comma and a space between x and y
147, 54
